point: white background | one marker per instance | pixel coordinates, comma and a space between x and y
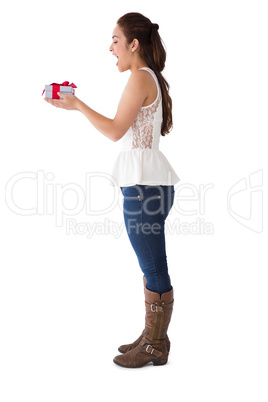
67, 301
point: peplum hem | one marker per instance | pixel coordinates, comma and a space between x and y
143, 166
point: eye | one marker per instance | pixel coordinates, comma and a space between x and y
115, 42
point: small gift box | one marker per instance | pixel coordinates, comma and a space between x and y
51, 91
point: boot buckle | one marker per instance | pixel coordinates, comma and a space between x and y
155, 308
148, 349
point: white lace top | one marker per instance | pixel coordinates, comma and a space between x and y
140, 160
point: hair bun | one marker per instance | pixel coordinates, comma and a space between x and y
156, 26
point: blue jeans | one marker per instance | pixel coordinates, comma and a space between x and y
145, 209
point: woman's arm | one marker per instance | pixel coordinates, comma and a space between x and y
135, 93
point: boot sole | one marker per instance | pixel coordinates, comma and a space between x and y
156, 362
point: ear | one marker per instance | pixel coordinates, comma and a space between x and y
134, 45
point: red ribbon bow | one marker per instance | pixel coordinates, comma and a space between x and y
56, 88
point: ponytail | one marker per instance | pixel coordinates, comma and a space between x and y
159, 54
152, 51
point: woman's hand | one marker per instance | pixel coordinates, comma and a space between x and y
69, 102
134, 95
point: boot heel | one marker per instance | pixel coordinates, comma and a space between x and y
160, 361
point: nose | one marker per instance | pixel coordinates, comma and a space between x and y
111, 48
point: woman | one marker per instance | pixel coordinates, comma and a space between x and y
143, 173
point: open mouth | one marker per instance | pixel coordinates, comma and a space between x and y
117, 58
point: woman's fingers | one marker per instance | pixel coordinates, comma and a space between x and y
53, 102
67, 102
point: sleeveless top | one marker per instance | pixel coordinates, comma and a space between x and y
140, 160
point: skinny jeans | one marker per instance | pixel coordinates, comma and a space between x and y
145, 209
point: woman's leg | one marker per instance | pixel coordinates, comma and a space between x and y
145, 211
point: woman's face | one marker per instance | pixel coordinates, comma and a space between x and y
121, 49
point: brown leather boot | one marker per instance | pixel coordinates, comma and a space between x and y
130, 346
152, 346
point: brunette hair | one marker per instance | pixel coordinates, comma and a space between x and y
137, 26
